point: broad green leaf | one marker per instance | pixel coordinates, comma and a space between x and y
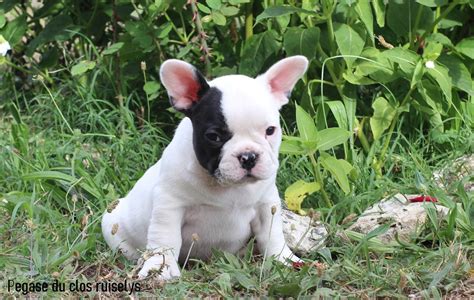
356, 79
364, 11
15, 30
113, 48
82, 67
203, 8
432, 50
458, 73
256, 51
382, 118
406, 59
379, 9
305, 124
466, 47
298, 41
55, 30
297, 192
348, 41
417, 73
440, 75
402, 16
214, 4
432, 3
331, 137
439, 38
433, 97
218, 18
339, 111
229, 11
291, 147
151, 87
337, 171
281, 10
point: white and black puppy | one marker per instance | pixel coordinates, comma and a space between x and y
216, 178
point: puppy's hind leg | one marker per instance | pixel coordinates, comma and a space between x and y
111, 230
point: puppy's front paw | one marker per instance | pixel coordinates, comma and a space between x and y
165, 267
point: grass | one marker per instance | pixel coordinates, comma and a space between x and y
67, 154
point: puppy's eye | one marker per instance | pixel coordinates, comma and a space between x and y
213, 137
270, 130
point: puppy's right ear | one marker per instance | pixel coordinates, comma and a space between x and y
184, 83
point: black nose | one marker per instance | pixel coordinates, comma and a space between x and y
248, 160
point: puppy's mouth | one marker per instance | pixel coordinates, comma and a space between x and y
247, 177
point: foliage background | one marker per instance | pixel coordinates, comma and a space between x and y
83, 115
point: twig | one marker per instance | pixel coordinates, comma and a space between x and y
202, 36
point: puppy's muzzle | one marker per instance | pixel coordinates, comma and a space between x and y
248, 160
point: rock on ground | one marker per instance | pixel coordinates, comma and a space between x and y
302, 234
406, 218
462, 169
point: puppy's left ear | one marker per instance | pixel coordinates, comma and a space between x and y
282, 76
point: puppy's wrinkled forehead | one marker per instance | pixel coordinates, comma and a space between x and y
245, 102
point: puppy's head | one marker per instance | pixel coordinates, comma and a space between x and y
236, 128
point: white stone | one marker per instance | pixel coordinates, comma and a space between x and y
462, 169
302, 234
406, 218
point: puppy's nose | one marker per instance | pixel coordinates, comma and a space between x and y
248, 160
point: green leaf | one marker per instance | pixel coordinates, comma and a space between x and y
218, 18
229, 10
3, 21
331, 137
402, 16
440, 75
382, 118
432, 51
348, 41
113, 48
214, 4
439, 38
257, 50
291, 147
297, 192
15, 30
305, 124
379, 9
466, 47
406, 59
458, 72
337, 171
281, 10
82, 67
203, 8
151, 87
339, 111
55, 30
364, 11
417, 73
298, 41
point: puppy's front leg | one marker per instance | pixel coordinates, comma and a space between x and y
268, 230
164, 242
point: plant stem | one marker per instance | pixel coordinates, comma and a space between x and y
381, 159
249, 20
202, 36
362, 138
319, 179
442, 16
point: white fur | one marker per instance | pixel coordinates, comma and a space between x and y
177, 198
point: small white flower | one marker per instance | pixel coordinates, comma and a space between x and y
4, 47
429, 64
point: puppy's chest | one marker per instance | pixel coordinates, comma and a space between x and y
224, 228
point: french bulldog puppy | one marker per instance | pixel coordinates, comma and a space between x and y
216, 179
